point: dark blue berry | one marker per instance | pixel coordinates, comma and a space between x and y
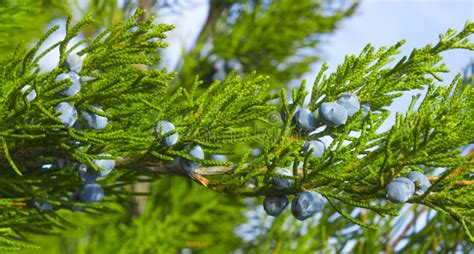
90, 193
68, 113
163, 127
304, 120
421, 182
189, 166
282, 183
400, 190
93, 120
350, 103
273, 206
332, 114
318, 148
306, 204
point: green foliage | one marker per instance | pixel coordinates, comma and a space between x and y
31, 129
122, 84
21, 21
174, 218
355, 169
223, 117
15, 23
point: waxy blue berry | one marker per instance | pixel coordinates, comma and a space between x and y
87, 175
68, 113
73, 62
282, 183
273, 206
318, 148
163, 127
400, 190
306, 204
304, 120
93, 120
219, 157
32, 95
76, 83
106, 164
332, 114
189, 166
350, 103
255, 152
42, 206
90, 193
366, 108
421, 182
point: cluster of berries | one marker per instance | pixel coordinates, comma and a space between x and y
401, 189
332, 114
166, 129
91, 191
68, 113
303, 206
307, 203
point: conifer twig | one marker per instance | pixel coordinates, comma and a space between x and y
223, 170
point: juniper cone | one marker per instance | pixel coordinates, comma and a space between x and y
317, 145
164, 127
283, 112
32, 95
366, 108
93, 120
255, 152
306, 204
282, 183
73, 63
332, 114
76, 83
91, 193
400, 190
77, 126
219, 157
273, 206
107, 165
350, 103
304, 120
190, 166
42, 206
68, 113
87, 175
421, 182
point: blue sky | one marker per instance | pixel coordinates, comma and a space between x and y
385, 22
